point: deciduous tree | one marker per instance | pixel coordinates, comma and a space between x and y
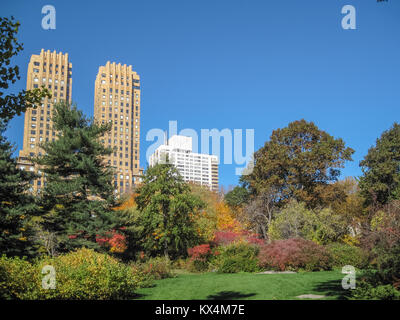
237, 197
13, 104
380, 182
299, 161
167, 207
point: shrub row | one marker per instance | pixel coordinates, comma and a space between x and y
236, 257
82, 274
291, 254
294, 254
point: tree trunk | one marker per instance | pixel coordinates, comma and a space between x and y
165, 216
166, 249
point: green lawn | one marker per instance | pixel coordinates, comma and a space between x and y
246, 286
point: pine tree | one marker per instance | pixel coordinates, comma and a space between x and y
166, 207
78, 195
16, 205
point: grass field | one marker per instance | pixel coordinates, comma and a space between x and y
215, 286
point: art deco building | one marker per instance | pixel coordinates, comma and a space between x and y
198, 168
53, 71
117, 100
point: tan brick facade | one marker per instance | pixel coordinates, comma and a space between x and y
117, 100
53, 71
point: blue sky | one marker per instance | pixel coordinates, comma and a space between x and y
231, 64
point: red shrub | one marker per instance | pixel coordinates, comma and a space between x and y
226, 237
200, 257
201, 252
294, 254
115, 241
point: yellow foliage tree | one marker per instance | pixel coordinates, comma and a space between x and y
216, 216
225, 218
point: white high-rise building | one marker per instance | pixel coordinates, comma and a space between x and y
195, 167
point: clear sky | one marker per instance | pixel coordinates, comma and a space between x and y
231, 64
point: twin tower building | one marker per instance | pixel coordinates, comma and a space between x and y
116, 100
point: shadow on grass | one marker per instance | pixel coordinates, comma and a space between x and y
138, 295
229, 295
333, 288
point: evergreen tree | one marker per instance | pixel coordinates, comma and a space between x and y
78, 193
16, 205
167, 208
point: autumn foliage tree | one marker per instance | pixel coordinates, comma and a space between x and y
206, 219
132, 231
216, 215
299, 161
226, 220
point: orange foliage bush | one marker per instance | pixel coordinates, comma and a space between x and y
127, 204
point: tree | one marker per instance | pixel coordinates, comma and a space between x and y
129, 215
206, 220
345, 199
296, 221
226, 220
293, 221
237, 197
380, 182
78, 196
167, 210
260, 211
299, 161
16, 205
11, 104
